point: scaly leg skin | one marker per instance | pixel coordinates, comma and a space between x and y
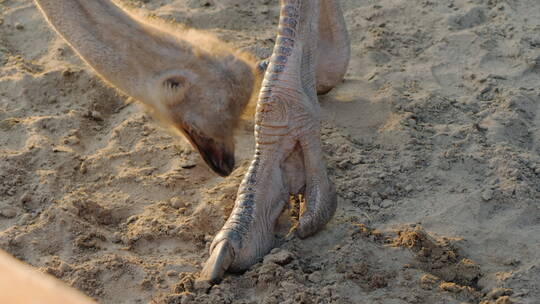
333, 50
287, 134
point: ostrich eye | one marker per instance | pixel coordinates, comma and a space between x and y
173, 82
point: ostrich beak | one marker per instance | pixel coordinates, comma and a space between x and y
217, 153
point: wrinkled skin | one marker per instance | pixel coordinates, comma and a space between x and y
288, 155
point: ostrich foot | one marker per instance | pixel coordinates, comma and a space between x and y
288, 154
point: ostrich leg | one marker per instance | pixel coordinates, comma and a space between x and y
288, 155
333, 49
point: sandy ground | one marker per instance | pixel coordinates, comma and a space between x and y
433, 141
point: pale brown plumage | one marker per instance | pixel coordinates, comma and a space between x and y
194, 82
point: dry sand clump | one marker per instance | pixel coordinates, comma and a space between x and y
433, 141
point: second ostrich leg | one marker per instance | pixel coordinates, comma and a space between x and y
288, 155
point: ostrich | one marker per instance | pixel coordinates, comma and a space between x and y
200, 86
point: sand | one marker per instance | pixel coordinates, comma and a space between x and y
433, 141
